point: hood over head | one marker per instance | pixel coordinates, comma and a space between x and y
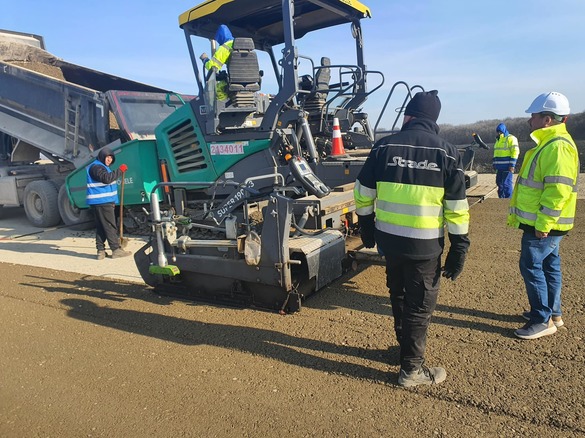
105, 152
502, 128
223, 34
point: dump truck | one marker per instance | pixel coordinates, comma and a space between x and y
54, 117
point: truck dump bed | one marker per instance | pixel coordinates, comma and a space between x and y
56, 106
53, 109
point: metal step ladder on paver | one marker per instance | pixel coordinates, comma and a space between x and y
71, 127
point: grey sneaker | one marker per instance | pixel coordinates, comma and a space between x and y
557, 319
422, 376
535, 331
118, 253
101, 255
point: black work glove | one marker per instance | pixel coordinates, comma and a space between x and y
456, 256
453, 264
367, 230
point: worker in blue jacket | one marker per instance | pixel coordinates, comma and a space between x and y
506, 152
102, 197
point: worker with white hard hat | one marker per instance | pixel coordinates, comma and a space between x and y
543, 206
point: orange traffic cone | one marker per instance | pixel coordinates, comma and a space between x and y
337, 145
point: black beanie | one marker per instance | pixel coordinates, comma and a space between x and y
424, 105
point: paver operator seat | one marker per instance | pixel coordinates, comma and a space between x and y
243, 73
315, 102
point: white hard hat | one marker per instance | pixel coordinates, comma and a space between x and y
551, 102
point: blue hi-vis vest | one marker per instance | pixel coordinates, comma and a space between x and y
98, 192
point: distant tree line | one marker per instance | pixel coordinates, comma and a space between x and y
461, 135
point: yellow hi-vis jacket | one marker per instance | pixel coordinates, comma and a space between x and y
415, 191
506, 152
545, 194
221, 56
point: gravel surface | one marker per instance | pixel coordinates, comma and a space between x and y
86, 355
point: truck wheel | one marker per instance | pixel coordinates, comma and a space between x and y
75, 218
40, 204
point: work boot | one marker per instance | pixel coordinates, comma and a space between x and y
101, 254
118, 253
422, 376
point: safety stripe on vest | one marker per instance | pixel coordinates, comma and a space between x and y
410, 210
458, 229
217, 61
365, 191
523, 214
550, 212
100, 184
364, 211
512, 161
414, 233
532, 216
102, 195
456, 205
562, 180
530, 183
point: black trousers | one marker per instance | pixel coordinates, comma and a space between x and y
414, 288
105, 227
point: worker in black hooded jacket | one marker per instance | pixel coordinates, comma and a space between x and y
102, 197
410, 189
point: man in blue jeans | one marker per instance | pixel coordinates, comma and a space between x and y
543, 206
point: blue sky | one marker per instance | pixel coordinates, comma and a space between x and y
488, 59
